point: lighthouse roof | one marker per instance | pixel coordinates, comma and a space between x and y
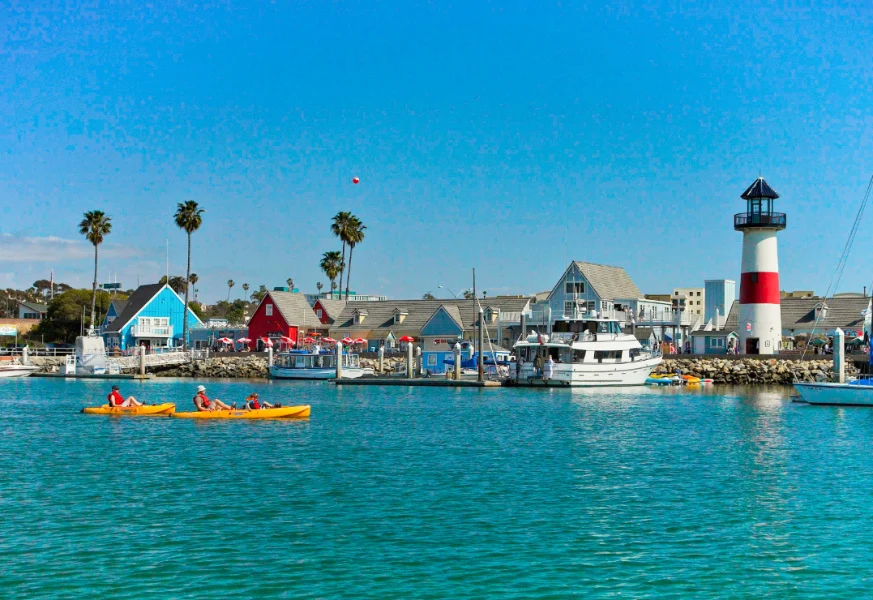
759, 189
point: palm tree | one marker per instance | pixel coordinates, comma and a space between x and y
230, 284
95, 226
331, 264
245, 287
290, 283
189, 216
192, 280
354, 236
318, 286
340, 227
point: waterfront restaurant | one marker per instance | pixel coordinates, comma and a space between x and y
282, 314
152, 317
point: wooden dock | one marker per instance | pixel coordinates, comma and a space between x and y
118, 376
426, 382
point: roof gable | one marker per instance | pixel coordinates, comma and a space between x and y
292, 306
137, 301
332, 308
380, 315
609, 283
446, 320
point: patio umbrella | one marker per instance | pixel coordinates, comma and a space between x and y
267, 342
225, 340
243, 340
407, 338
347, 340
360, 341
314, 334
308, 340
329, 340
286, 340
818, 342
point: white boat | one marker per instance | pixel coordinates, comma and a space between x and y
595, 353
16, 370
303, 364
856, 393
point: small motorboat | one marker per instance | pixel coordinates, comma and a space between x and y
283, 412
17, 370
147, 410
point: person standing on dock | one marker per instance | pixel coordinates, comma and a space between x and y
548, 368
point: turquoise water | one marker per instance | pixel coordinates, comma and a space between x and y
431, 493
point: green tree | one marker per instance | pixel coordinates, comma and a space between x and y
259, 295
63, 320
354, 236
468, 295
331, 264
340, 228
245, 288
189, 218
290, 283
177, 282
95, 226
318, 286
428, 296
230, 284
192, 281
197, 309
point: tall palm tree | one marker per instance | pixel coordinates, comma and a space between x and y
340, 227
318, 286
290, 283
95, 226
189, 216
245, 288
354, 236
230, 284
331, 264
192, 281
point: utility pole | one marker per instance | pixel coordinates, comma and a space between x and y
479, 360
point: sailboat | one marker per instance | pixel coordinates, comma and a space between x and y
853, 393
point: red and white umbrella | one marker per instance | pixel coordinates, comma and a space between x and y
267, 342
407, 338
329, 340
243, 340
308, 340
360, 341
347, 340
225, 340
286, 340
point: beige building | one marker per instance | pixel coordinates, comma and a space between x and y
695, 299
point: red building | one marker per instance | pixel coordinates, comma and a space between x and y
281, 314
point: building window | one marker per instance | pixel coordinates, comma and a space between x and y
698, 293
318, 313
431, 360
268, 310
575, 287
396, 318
716, 342
568, 307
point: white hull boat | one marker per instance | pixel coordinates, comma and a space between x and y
596, 354
17, 370
314, 366
836, 394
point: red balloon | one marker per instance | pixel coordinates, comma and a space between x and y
356, 180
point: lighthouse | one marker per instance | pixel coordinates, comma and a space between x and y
760, 317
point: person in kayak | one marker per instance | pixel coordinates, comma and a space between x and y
253, 403
116, 399
203, 403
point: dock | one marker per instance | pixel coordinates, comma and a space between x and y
118, 376
426, 382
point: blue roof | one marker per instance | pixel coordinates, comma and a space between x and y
759, 189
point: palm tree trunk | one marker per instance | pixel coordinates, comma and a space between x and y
187, 288
349, 274
94, 288
342, 270
228, 293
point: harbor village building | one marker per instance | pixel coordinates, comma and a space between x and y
327, 310
152, 317
282, 314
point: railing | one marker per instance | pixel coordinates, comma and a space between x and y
764, 220
138, 331
37, 351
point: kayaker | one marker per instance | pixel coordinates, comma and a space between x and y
203, 403
253, 403
116, 399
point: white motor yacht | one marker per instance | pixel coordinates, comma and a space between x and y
594, 352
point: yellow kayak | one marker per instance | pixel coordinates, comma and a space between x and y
285, 412
161, 410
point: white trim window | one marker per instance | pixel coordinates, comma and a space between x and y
268, 310
319, 313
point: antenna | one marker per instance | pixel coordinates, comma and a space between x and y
168, 262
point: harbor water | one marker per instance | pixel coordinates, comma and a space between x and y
435, 493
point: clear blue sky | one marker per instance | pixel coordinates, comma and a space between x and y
513, 139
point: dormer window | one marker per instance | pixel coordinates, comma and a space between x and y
399, 316
490, 315
821, 311
360, 316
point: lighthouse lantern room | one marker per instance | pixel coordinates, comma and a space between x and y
760, 316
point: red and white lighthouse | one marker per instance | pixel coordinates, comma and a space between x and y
760, 315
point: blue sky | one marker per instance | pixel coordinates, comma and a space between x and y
512, 137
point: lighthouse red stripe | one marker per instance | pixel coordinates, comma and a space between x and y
759, 288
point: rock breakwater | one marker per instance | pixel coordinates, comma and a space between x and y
248, 367
751, 371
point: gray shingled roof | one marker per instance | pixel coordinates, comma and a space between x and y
759, 189
294, 308
380, 315
333, 308
119, 306
610, 283
799, 313
135, 303
34, 306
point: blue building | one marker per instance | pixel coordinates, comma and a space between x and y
116, 307
720, 295
153, 317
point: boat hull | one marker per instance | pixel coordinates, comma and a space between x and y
17, 370
149, 410
835, 394
314, 374
285, 412
592, 375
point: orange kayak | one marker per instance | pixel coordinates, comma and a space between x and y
154, 410
284, 412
